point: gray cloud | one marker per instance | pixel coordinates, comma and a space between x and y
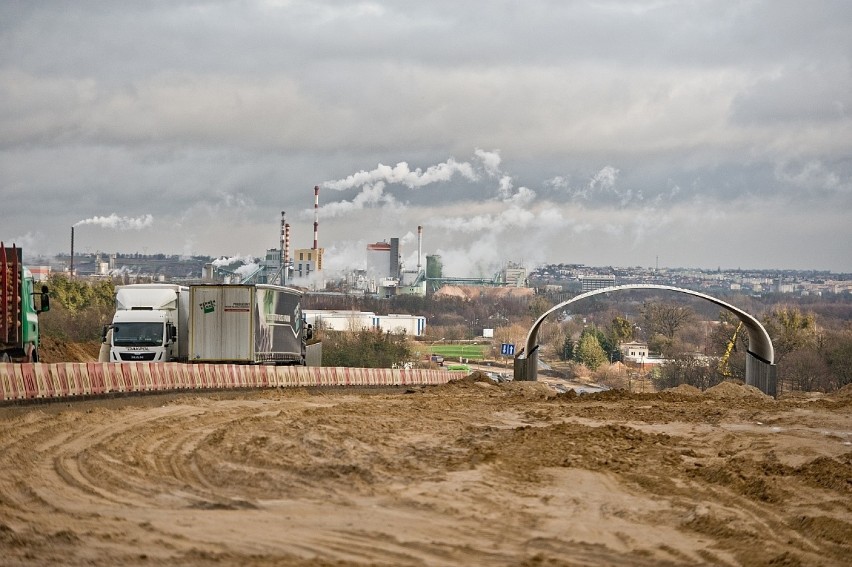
623, 127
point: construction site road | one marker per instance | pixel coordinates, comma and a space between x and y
468, 473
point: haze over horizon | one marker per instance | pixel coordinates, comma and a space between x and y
605, 133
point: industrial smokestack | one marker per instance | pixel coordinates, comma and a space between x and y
72, 252
283, 239
419, 248
287, 246
316, 217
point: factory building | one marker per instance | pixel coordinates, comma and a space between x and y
515, 275
385, 275
307, 261
412, 325
383, 259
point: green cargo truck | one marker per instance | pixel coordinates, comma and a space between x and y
19, 337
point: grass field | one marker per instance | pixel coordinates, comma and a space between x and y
453, 352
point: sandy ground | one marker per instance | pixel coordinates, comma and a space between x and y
471, 473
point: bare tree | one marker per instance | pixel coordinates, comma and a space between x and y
805, 370
665, 318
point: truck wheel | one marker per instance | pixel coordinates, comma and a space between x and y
34, 357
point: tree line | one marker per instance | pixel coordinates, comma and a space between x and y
812, 336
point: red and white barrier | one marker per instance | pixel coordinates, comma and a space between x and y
47, 381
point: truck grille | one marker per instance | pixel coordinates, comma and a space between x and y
138, 356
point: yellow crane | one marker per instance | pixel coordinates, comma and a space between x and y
724, 369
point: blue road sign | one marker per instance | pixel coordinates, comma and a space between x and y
507, 349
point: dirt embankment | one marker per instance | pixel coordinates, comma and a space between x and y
53, 350
470, 473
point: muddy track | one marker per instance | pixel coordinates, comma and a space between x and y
469, 473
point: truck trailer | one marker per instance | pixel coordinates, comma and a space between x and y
19, 328
246, 324
150, 324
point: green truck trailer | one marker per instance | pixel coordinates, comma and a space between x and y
19, 332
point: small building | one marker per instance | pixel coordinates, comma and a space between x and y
40, 273
593, 282
634, 352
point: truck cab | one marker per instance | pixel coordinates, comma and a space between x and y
149, 324
140, 336
19, 327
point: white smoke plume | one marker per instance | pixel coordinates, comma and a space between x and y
524, 196
507, 220
490, 161
402, 174
247, 269
604, 179
505, 185
225, 261
371, 194
374, 182
29, 242
119, 223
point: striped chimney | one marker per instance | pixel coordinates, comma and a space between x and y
283, 237
316, 217
287, 246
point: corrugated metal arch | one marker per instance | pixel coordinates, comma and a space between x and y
760, 345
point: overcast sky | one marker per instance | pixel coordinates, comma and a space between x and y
703, 133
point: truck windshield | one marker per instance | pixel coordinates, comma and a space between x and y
137, 334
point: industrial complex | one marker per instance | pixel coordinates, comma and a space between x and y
382, 273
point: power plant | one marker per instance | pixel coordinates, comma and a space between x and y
382, 272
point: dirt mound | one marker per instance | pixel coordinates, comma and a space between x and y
735, 390
844, 392
684, 390
53, 350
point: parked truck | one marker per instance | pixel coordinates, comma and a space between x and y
246, 324
19, 329
151, 324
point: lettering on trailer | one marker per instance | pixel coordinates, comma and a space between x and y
238, 307
277, 318
507, 349
208, 306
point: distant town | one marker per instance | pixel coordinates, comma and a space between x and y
386, 276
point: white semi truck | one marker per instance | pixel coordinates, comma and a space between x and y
215, 323
151, 324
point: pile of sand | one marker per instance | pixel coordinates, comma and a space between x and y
684, 390
735, 390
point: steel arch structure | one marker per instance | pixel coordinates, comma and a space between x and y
760, 357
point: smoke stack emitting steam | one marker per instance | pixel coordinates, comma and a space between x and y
119, 223
419, 247
316, 217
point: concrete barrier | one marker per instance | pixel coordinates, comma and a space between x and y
98, 379
30, 381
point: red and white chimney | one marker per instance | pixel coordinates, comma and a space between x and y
283, 237
287, 246
316, 217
